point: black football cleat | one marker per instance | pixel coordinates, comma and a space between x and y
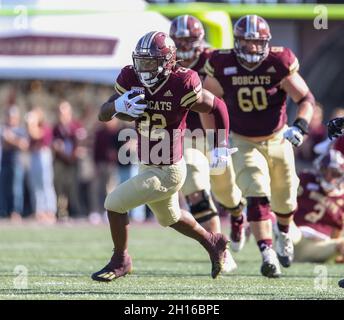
119, 266
341, 283
270, 267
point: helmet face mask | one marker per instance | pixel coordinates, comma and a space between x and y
188, 34
331, 179
331, 171
148, 69
143, 64
244, 51
154, 58
251, 39
188, 48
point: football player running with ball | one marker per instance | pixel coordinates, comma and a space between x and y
187, 32
170, 92
254, 80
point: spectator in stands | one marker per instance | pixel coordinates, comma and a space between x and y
105, 159
67, 134
110, 170
41, 175
13, 140
86, 167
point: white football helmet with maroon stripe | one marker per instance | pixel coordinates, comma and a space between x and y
154, 58
188, 34
330, 167
251, 29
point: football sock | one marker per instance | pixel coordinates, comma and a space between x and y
263, 244
283, 228
238, 219
119, 225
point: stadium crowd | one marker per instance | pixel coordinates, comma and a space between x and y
57, 160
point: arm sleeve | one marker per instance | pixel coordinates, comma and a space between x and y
221, 119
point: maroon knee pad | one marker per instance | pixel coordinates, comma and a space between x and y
258, 209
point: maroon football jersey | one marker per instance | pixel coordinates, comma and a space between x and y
193, 120
339, 144
255, 101
161, 128
199, 63
316, 209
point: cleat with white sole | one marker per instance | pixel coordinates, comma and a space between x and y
284, 249
237, 246
270, 267
229, 265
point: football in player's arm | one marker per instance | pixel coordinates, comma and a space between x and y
320, 214
200, 185
170, 92
254, 80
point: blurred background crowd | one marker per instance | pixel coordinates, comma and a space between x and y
57, 159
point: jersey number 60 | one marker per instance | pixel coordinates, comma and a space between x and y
252, 98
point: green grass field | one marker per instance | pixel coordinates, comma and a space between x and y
60, 259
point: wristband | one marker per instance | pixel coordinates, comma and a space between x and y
301, 124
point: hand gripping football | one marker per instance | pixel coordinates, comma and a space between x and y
134, 94
126, 117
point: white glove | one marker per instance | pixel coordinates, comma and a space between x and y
129, 106
294, 135
220, 157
